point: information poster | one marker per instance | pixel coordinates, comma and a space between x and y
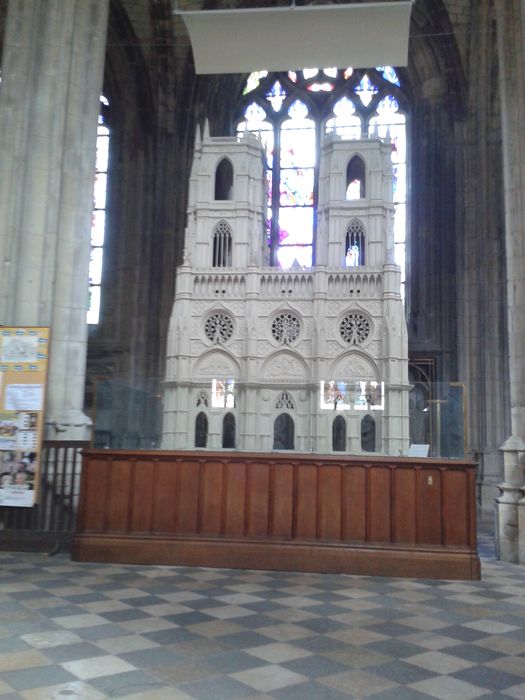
24, 354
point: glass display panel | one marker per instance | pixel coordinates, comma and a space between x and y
353, 395
223, 393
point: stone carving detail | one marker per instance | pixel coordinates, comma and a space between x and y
281, 367
218, 329
286, 328
355, 366
215, 366
354, 328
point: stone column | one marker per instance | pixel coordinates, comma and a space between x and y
52, 69
512, 81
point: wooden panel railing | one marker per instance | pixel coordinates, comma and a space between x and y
379, 515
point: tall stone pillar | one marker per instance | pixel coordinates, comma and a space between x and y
52, 70
511, 54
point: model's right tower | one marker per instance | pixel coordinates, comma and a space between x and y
356, 232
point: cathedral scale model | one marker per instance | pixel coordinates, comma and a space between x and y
311, 359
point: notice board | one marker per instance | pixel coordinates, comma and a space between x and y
24, 354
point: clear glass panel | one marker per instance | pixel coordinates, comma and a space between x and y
95, 266
400, 223
310, 73
400, 182
399, 257
98, 223
346, 122
296, 225
297, 187
357, 395
366, 90
255, 119
298, 138
320, 87
276, 96
93, 313
288, 256
257, 124
269, 177
253, 80
389, 74
99, 191
102, 153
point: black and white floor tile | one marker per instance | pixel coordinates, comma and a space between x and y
74, 630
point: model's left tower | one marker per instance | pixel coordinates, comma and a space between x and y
224, 239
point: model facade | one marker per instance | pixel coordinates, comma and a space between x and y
308, 359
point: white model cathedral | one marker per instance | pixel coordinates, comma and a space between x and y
312, 360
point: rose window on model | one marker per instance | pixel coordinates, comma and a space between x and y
354, 328
286, 328
218, 328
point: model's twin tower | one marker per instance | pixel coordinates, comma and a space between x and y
261, 358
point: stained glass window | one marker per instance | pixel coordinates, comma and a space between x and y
98, 221
289, 111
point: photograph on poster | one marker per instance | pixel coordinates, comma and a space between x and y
17, 477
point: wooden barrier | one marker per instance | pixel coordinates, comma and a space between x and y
361, 515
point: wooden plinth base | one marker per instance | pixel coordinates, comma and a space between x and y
367, 560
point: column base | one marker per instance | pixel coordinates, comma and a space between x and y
70, 424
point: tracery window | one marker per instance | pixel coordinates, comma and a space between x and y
289, 111
222, 245
286, 328
285, 401
98, 221
202, 399
218, 328
355, 244
354, 328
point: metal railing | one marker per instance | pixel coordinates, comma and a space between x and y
52, 520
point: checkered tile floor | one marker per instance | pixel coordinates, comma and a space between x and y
72, 630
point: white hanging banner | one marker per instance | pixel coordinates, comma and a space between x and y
284, 38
